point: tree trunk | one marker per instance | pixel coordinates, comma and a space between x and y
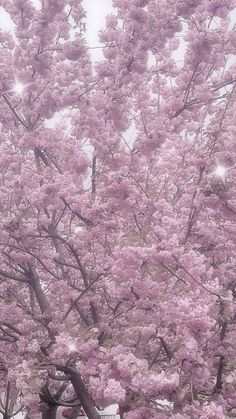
81, 391
50, 413
75, 411
84, 397
122, 411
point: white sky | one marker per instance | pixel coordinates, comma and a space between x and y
6, 23
96, 13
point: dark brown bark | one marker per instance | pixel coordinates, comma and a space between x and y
219, 377
50, 413
220, 370
122, 411
84, 397
40, 295
81, 391
75, 412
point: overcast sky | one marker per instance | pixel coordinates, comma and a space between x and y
96, 12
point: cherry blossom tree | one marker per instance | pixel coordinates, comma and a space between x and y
118, 209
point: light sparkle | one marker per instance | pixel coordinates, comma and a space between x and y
72, 347
18, 88
220, 171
